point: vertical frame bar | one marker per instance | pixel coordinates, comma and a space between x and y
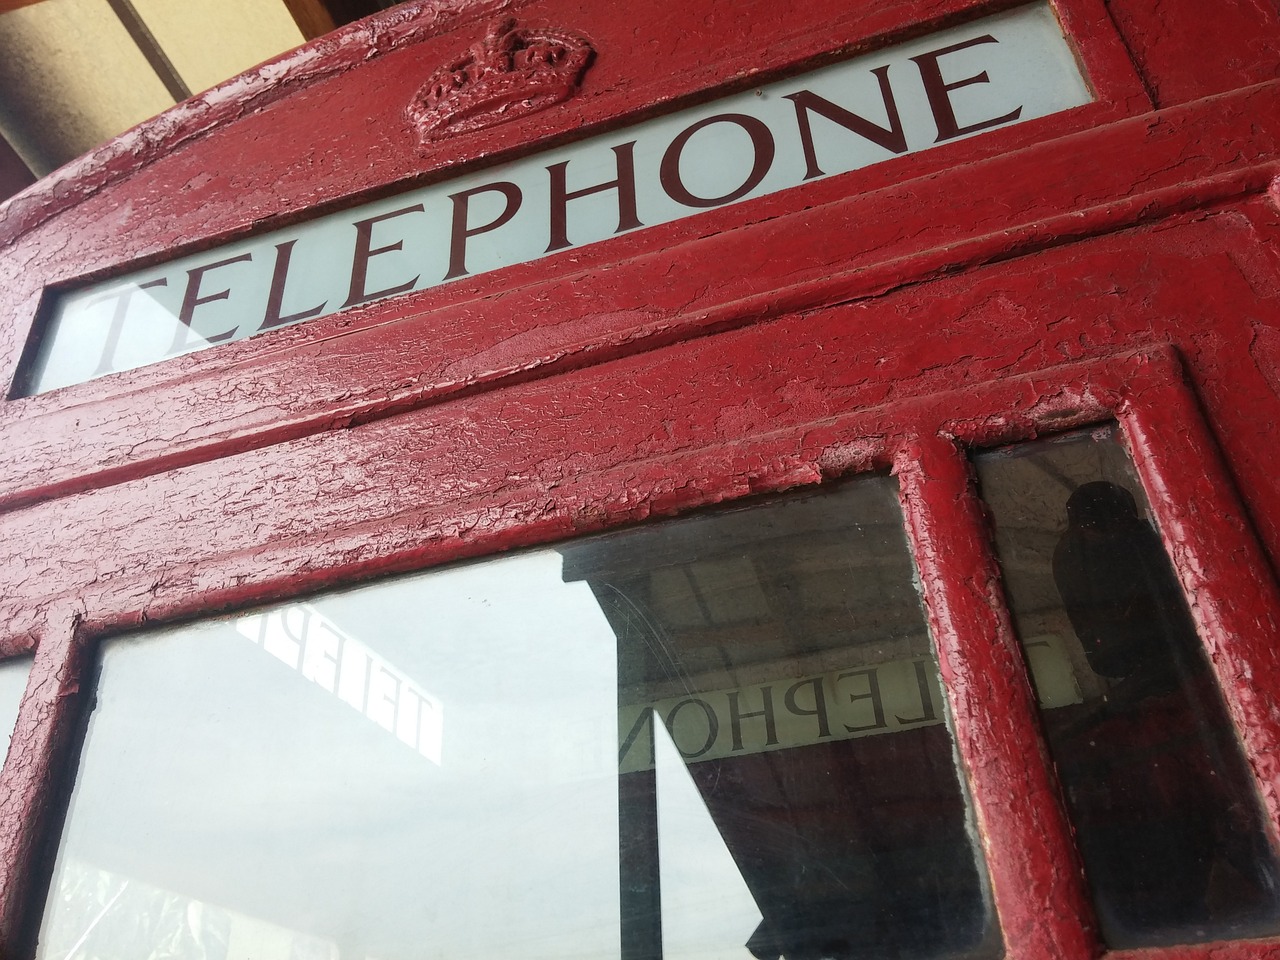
640, 886
1228, 582
1037, 883
34, 783
1108, 64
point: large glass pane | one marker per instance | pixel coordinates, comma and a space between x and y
421, 768
714, 737
1165, 810
788, 784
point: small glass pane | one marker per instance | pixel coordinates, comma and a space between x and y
1166, 813
711, 738
13, 683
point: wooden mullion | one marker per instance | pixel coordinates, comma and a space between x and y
34, 785
1036, 878
1224, 573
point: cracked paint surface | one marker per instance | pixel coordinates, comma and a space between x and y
1118, 262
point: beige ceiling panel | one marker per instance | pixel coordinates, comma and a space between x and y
70, 79
208, 41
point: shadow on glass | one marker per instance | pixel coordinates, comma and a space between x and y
1165, 810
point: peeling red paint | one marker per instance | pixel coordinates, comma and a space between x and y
1114, 262
1036, 877
1184, 54
35, 779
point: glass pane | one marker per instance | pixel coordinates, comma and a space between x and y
13, 683
1166, 813
715, 737
788, 782
420, 768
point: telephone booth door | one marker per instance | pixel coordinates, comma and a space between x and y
727, 480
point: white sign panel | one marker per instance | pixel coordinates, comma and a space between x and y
957, 83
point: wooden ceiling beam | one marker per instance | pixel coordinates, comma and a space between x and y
311, 16
14, 173
7, 5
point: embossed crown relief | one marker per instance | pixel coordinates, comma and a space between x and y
511, 73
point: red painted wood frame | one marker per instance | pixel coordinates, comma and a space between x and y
1036, 879
441, 341
893, 317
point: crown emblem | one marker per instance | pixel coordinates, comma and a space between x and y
510, 74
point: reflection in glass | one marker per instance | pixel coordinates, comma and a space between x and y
278, 782
707, 908
781, 654
1165, 810
720, 737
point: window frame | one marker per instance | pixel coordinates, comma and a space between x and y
1037, 887
1201, 523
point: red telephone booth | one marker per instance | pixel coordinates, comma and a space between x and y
715, 480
